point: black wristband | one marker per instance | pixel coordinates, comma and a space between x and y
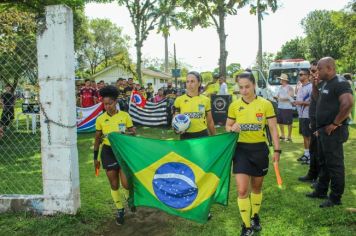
338, 125
96, 154
278, 150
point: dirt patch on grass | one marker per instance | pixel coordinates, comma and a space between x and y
145, 221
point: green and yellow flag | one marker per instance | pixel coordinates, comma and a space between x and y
183, 178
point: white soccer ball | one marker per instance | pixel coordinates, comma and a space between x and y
181, 122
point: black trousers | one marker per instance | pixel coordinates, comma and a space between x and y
314, 166
331, 159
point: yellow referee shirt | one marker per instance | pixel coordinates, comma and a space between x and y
116, 123
196, 108
252, 118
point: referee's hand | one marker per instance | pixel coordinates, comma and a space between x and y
276, 156
96, 164
235, 128
178, 132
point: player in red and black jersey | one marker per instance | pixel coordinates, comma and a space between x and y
87, 95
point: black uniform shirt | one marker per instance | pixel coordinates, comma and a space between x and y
328, 104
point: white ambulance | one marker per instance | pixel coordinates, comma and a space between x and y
290, 67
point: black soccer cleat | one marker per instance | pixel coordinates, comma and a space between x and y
329, 203
246, 231
255, 223
306, 178
120, 216
315, 194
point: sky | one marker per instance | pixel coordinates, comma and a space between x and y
200, 48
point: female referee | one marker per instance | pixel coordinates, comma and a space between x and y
248, 116
197, 107
112, 120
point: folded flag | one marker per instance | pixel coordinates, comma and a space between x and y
138, 99
183, 178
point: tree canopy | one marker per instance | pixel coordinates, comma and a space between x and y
295, 48
103, 42
17, 47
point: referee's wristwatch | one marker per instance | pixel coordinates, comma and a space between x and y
278, 150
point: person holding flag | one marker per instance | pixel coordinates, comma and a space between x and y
248, 116
112, 120
197, 107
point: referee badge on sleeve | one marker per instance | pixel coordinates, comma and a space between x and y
122, 128
201, 108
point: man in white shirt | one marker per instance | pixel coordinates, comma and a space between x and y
223, 86
302, 102
285, 107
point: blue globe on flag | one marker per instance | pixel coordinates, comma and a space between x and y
174, 185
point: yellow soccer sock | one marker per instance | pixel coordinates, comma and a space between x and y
245, 210
116, 196
125, 193
256, 200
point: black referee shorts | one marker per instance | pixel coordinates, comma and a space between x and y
108, 159
199, 134
251, 159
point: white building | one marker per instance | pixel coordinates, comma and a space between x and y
112, 73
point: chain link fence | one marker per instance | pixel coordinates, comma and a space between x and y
20, 146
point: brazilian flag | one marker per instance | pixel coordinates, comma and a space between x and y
180, 177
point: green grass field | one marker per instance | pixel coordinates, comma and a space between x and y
284, 211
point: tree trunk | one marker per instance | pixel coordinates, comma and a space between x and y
165, 53
138, 45
259, 17
222, 39
138, 62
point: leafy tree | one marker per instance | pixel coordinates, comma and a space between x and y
17, 47
323, 36
233, 68
37, 7
207, 76
168, 19
267, 59
295, 48
210, 12
346, 21
144, 16
103, 42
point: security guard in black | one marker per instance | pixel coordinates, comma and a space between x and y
333, 107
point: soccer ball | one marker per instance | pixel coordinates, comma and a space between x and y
181, 122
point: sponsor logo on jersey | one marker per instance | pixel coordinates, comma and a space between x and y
251, 127
194, 115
